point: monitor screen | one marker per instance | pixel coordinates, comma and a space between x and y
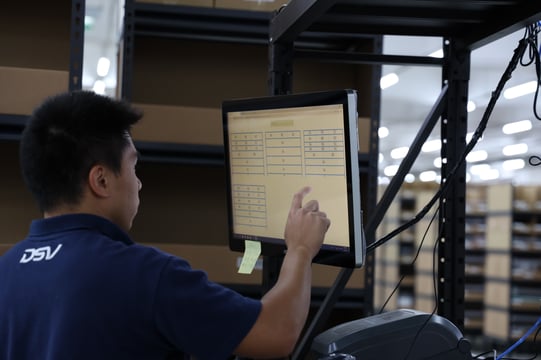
276, 145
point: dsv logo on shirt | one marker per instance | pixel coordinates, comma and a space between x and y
39, 254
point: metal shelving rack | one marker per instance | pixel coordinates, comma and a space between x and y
230, 26
464, 26
11, 125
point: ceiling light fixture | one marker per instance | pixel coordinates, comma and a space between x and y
471, 106
388, 81
478, 155
517, 126
520, 90
429, 175
99, 87
390, 170
491, 174
383, 180
469, 136
514, 164
515, 149
409, 178
437, 162
479, 168
431, 145
399, 152
103, 66
383, 132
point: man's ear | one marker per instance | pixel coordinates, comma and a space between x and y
98, 181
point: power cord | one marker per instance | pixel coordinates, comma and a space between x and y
411, 263
519, 51
534, 52
530, 38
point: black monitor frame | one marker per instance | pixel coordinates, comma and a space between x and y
342, 102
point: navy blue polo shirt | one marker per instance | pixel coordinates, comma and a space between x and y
79, 288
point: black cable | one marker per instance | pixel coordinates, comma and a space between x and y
519, 51
537, 161
534, 51
411, 263
434, 282
478, 356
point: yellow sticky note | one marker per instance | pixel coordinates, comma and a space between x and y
252, 250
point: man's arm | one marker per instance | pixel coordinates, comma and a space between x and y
285, 306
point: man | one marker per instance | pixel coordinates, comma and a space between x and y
79, 288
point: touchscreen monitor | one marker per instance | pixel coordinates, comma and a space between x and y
276, 145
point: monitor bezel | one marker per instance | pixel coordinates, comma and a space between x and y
355, 255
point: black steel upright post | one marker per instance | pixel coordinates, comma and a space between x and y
371, 177
77, 34
127, 50
280, 80
279, 83
451, 247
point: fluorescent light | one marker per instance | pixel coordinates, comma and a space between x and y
471, 106
383, 180
103, 66
478, 155
409, 178
431, 145
381, 158
513, 164
390, 170
491, 174
515, 149
437, 162
99, 87
469, 136
479, 168
399, 152
383, 132
520, 90
388, 81
517, 126
429, 175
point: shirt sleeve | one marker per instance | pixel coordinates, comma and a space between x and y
200, 317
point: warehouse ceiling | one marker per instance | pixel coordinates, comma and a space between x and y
404, 105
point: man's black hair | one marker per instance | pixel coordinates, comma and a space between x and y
68, 134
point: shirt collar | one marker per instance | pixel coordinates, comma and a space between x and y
67, 222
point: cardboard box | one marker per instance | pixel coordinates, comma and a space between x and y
498, 266
499, 232
497, 295
496, 324
500, 197
256, 5
22, 89
179, 124
200, 3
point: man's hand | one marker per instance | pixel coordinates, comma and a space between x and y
306, 225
